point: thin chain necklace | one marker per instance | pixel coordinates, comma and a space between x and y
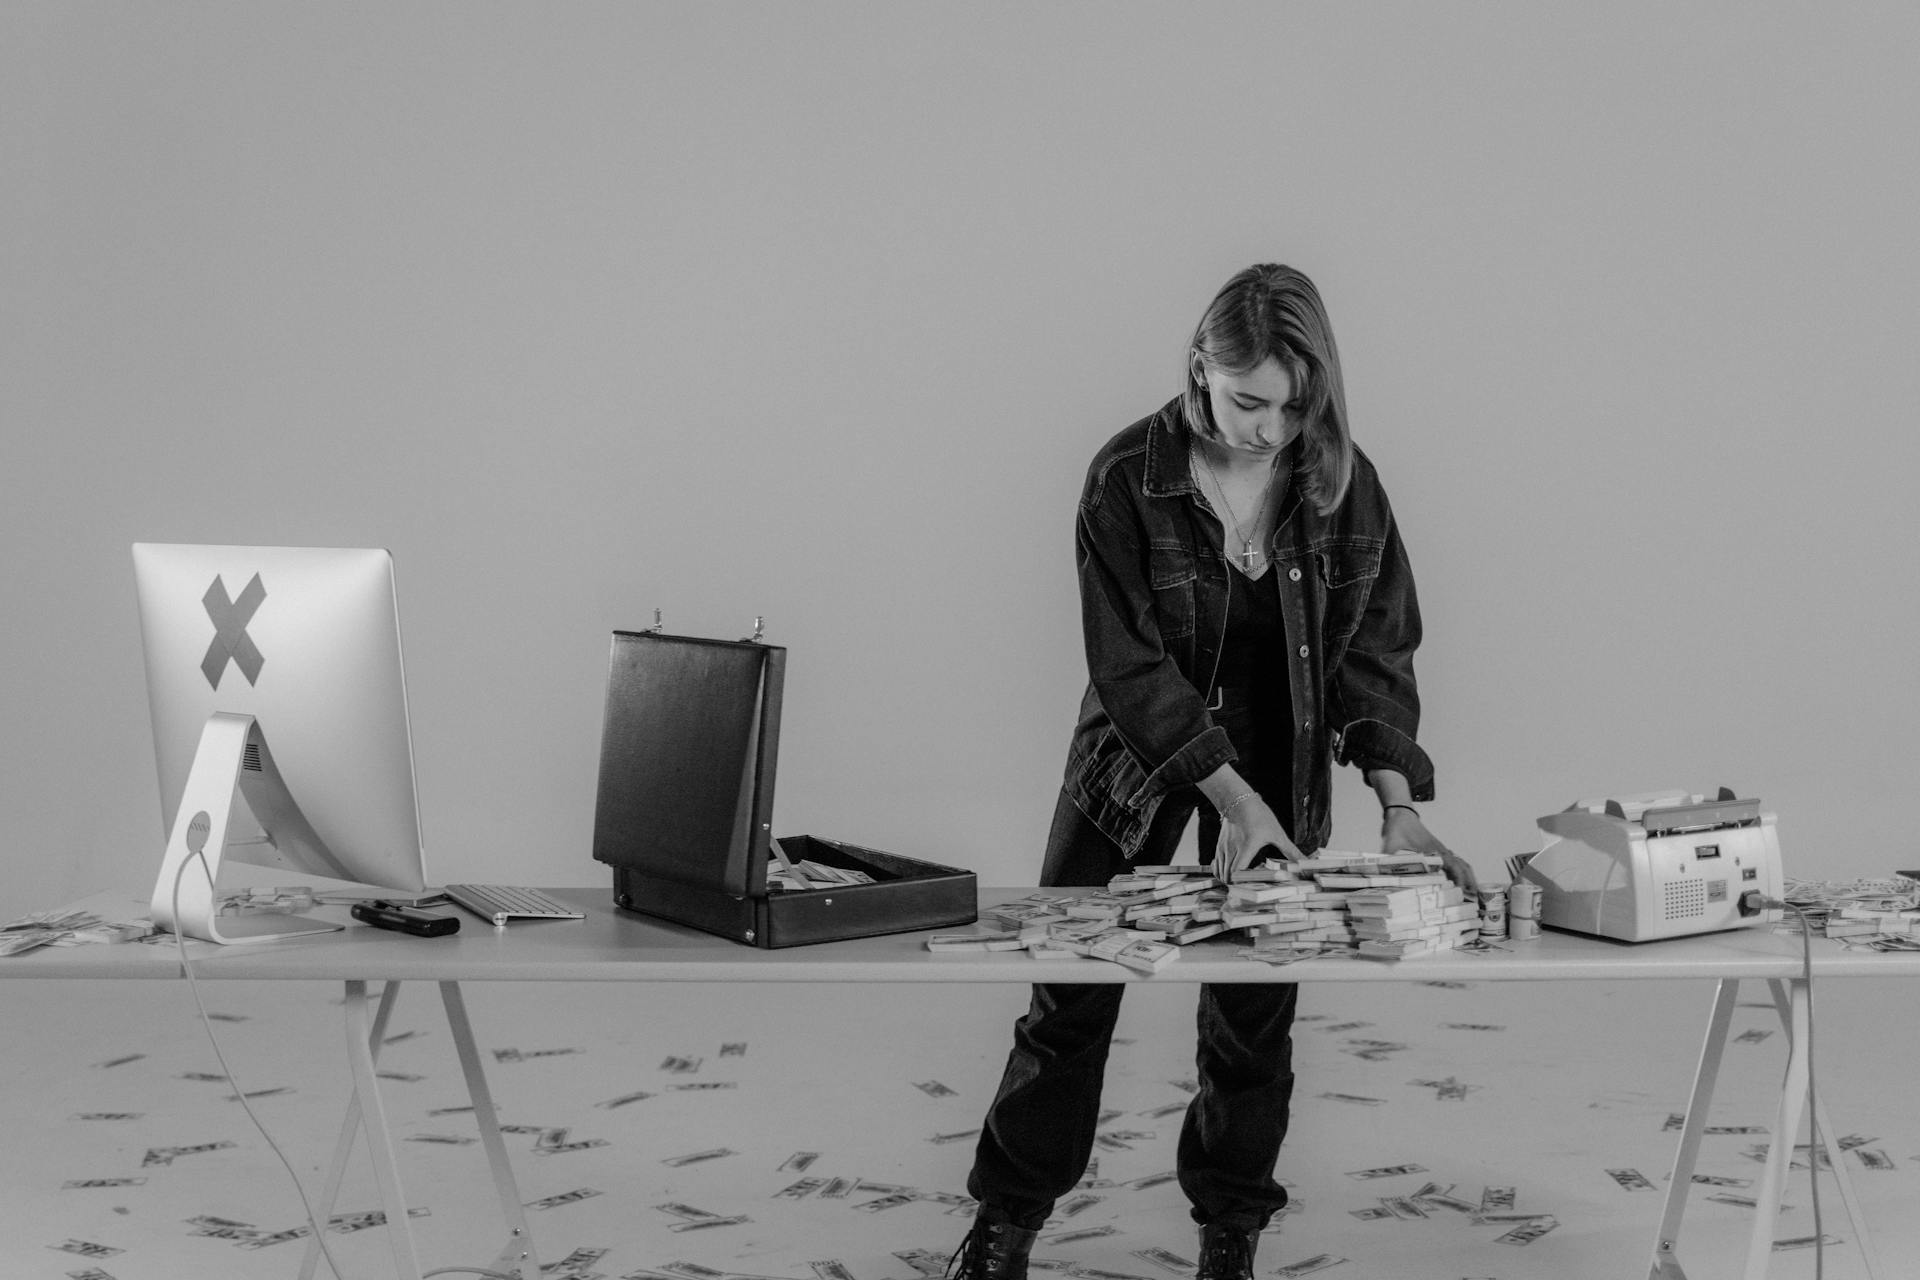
1248, 554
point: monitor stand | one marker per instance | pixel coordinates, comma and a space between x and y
232, 759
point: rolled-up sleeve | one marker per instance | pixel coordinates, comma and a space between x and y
1157, 713
1372, 695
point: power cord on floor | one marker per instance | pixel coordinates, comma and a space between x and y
306, 1206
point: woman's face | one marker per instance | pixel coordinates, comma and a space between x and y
1253, 410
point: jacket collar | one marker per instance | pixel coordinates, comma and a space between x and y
1169, 443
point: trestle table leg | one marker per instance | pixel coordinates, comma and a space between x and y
349, 1127
373, 1117
1785, 1003
1666, 1258
517, 1256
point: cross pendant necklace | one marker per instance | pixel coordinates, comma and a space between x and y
1247, 555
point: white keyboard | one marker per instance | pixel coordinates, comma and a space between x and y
499, 903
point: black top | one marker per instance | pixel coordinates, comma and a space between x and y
1256, 704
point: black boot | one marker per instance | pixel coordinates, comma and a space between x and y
995, 1249
1226, 1251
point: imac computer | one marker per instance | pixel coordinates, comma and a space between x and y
279, 726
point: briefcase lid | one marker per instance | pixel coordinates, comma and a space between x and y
688, 745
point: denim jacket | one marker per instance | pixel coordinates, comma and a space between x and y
1153, 598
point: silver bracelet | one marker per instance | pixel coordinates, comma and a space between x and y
1237, 801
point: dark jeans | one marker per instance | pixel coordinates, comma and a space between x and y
1040, 1127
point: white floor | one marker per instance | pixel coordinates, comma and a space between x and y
1562, 1083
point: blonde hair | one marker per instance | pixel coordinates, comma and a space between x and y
1271, 310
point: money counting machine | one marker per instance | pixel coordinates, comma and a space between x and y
1665, 864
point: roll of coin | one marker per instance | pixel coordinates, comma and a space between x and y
1523, 900
1521, 928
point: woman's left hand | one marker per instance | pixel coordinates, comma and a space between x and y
1402, 831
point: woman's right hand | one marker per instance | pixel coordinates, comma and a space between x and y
1246, 828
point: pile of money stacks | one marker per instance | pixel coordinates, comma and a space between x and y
1138, 922
1345, 903
1384, 906
1876, 915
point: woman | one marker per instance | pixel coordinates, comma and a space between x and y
1249, 618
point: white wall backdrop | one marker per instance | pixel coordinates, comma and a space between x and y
817, 311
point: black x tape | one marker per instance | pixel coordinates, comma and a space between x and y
230, 640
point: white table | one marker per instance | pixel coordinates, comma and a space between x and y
616, 946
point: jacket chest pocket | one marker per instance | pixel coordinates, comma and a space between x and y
1346, 573
1172, 578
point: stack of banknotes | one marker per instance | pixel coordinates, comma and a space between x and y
1384, 906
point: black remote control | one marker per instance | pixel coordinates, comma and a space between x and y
421, 924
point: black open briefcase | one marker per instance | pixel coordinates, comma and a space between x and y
684, 812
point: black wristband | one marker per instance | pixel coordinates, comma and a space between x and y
1385, 808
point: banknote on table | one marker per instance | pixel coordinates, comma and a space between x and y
1496, 1199
1373, 1213
1081, 1233
1357, 1100
1631, 1179
1403, 1207
799, 1162
89, 1273
693, 1270
687, 1211
89, 1184
925, 1261
961, 943
86, 1249
831, 1269
934, 1089
1307, 1266
1086, 1272
1155, 1180
1879, 1161
1078, 1205
1720, 1180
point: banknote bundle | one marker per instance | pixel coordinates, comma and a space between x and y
1419, 920
66, 929
808, 874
